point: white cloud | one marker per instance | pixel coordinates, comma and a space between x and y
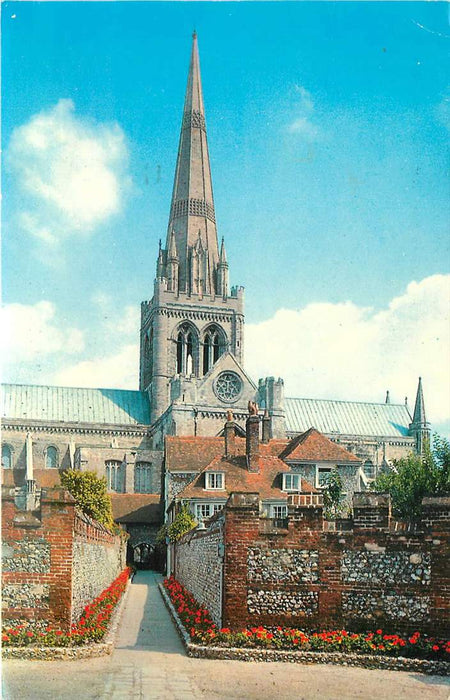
31, 332
72, 172
303, 124
343, 351
119, 370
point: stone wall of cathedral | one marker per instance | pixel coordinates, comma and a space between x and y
89, 449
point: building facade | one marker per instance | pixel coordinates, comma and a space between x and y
191, 367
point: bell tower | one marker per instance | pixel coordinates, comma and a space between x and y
193, 317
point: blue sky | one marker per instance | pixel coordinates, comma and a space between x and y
328, 132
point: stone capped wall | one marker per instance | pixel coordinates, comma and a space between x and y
373, 573
198, 567
53, 560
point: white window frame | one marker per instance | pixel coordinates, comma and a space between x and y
278, 511
214, 481
293, 478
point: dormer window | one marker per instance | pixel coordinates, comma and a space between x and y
291, 482
214, 481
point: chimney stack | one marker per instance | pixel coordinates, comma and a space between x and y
230, 435
252, 438
266, 427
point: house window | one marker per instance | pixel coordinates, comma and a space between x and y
202, 511
215, 480
6, 457
115, 476
279, 512
142, 477
51, 458
291, 482
322, 477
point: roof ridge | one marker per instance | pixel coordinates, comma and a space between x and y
365, 403
60, 386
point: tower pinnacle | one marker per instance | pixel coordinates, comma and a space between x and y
192, 213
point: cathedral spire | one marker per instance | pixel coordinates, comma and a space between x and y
192, 209
419, 408
420, 428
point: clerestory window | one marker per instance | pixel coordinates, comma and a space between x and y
6, 457
142, 477
51, 457
115, 476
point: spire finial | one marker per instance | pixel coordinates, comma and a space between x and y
194, 34
388, 398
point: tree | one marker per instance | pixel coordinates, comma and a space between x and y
332, 495
183, 522
90, 494
415, 476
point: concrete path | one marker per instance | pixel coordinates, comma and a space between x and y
149, 663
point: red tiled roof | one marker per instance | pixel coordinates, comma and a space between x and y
192, 453
136, 507
312, 446
266, 482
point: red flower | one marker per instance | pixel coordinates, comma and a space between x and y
30, 634
225, 630
435, 647
379, 631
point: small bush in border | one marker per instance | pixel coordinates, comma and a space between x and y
91, 627
202, 630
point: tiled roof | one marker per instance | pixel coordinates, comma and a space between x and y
266, 482
347, 417
136, 507
75, 405
312, 446
190, 454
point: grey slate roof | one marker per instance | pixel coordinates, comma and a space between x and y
75, 405
347, 417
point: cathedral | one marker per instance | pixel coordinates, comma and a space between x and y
191, 373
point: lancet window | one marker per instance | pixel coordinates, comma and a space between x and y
186, 350
213, 347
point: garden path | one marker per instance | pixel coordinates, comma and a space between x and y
149, 663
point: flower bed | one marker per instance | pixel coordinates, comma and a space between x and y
202, 630
91, 627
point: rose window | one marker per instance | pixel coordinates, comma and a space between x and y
228, 386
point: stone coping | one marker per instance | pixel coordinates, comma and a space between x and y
390, 663
84, 651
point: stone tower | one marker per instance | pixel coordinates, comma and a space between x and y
193, 318
420, 428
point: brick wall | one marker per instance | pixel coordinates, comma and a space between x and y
43, 558
198, 567
371, 573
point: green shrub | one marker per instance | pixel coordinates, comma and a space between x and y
90, 494
183, 522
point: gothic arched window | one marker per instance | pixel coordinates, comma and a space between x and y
148, 357
6, 457
115, 476
186, 349
51, 457
142, 477
213, 347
